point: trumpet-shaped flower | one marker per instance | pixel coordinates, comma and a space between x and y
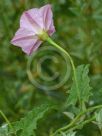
35, 25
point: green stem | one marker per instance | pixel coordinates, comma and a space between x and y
72, 63
8, 122
76, 119
83, 123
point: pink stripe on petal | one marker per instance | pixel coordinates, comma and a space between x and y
51, 28
22, 32
46, 13
32, 21
36, 46
46, 18
25, 23
22, 38
33, 47
36, 16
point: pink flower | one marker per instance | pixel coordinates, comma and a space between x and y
35, 25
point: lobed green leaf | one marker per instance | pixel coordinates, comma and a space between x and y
83, 86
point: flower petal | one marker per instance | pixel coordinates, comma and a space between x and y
51, 29
21, 36
31, 20
29, 50
26, 40
47, 16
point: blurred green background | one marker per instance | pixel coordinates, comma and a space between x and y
78, 26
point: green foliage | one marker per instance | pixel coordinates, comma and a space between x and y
83, 86
28, 124
99, 119
4, 130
